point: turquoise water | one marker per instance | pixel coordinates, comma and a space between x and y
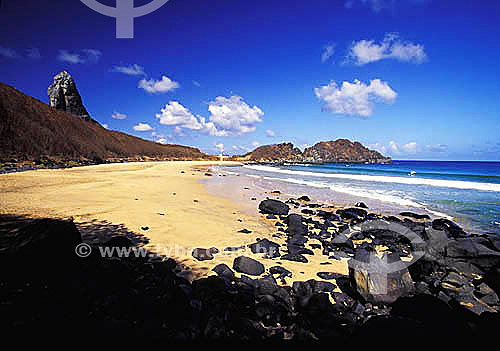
467, 191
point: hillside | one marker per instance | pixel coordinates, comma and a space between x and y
30, 129
341, 150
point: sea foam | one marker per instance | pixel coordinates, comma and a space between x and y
458, 184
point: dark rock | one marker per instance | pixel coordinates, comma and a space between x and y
275, 192
294, 257
244, 231
271, 249
308, 212
433, 313
270, 216
352, 213
414, 215
361, 205
327, 215
296, 225
453, 230
64, 96
223, 270
243, 264
267, 285
304, 198
492, 279
204, 254
329, 275
380, 281
398, 329
474, 251
275, 207
280, 270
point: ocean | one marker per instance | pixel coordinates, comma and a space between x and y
466, 191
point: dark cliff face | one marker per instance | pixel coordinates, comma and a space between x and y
341, 150
30, 129
64, 96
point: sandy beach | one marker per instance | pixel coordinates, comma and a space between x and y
167, 198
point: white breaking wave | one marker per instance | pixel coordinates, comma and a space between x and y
369, 194
439, 214
458, 184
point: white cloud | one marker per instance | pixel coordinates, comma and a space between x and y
178, 130
270, 133
210, 129
105, 125
234, 115
195, 83
118, 115
436, 148
31, 53
355, 98
394, 148
85, 56
378, 5
229, 116
327, 53
162, 141
378, 147
411, 147
153, 86
9, 53
255, 144
143, 127
175, 114
219, 147
131, 70
366, 51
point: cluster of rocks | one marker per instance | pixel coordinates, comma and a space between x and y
13, 165
451, 290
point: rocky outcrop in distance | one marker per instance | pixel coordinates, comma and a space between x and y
338, 151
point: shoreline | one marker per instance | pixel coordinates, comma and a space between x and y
390, 206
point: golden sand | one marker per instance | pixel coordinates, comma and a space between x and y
157, 195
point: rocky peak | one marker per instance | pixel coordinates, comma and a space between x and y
341, 150
64, 96
280, 152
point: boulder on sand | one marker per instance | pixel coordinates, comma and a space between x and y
275, 207
204, 254
247, 265
270, 248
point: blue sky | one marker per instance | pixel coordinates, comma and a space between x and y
415, 79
